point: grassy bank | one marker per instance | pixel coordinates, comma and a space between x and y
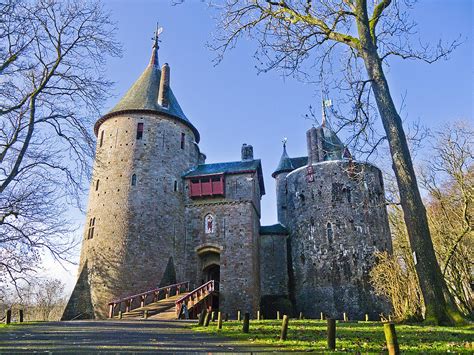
306, 335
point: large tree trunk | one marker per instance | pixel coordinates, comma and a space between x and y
440, 307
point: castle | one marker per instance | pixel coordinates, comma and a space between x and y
158, 214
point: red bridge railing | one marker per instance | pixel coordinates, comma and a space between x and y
144, 298
194, 297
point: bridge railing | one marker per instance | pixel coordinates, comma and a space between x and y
144, 298
194, 297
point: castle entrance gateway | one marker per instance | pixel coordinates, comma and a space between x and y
210, 268
209, 263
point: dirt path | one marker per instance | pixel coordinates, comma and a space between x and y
114, 336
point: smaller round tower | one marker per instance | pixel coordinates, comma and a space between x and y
284, 167
337, 220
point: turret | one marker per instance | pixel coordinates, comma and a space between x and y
284, 167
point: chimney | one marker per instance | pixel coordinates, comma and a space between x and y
247, 152
163, 94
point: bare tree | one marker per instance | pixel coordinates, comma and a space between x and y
52, 56
449, 179
42, 299
360, 36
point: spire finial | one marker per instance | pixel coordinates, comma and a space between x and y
284, 140
156, 40
324, 104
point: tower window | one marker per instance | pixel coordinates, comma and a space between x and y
90, 233
140, 130
101, 138
329, 232
182, 140
175, 187
134, 180
97, 185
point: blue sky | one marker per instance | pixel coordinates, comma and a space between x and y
230, 104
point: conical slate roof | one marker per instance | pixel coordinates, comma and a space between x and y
143, 97
332, 145
285, 163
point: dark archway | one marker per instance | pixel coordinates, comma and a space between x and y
212, 272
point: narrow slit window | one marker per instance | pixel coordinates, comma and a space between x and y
97, 185
134, 179
175, 186
183, 136
140, 130
329, 232
90, 233
101, 138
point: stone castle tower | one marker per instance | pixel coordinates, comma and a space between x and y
135, 210
334, 211
158, 214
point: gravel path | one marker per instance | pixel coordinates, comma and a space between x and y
114, 336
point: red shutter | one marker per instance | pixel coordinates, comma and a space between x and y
206, 187
218, 186
195, 188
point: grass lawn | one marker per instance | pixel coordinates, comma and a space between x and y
307, 335
15, 324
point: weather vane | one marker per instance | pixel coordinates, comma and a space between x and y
284, 140
158, 31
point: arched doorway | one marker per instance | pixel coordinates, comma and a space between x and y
209, 268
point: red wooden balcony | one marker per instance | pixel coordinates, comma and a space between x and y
205, 186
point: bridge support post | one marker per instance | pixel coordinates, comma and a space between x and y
207, 319
202, 315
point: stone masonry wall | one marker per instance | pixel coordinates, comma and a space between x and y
236, 237
336, 223
136, 227
273, 265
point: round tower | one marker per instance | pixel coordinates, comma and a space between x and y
284, 167
337, 220
135, 217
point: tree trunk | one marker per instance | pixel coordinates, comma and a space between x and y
440, 307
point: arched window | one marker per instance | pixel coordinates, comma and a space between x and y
101, 138
209, 224
175, 187
329, 232
134, 180
97, 185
